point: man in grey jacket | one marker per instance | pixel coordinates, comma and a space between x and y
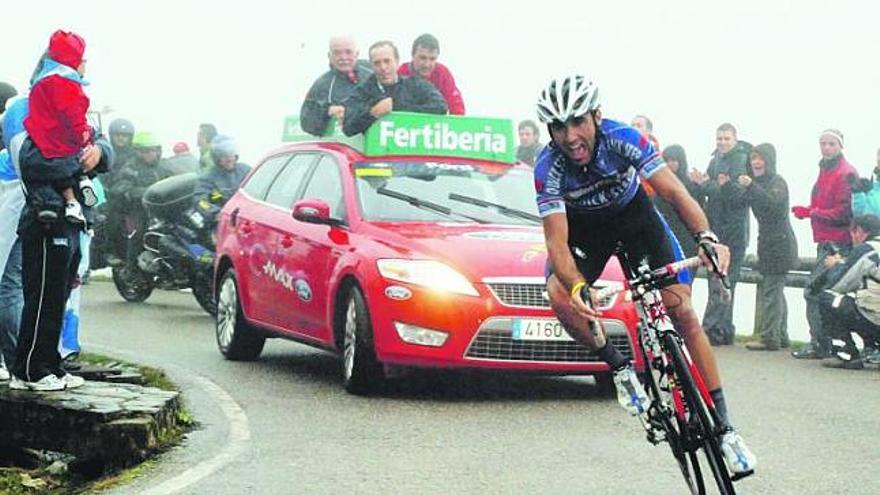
386, 90
325, 97
852, 304
728, 212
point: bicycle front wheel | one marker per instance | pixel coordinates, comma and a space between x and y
699, 416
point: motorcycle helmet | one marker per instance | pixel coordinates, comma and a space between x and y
146, 139
121, 126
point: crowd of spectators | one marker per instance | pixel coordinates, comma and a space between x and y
55, 170
55, 154
844, 213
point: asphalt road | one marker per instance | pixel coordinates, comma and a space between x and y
284, 425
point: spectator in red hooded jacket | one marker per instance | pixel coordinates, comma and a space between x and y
57, 126
830, 214
425, 50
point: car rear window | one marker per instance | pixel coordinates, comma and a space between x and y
287, 185
259, 182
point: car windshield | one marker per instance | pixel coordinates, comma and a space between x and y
422, 191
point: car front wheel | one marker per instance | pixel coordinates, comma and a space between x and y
361, 371
236, 338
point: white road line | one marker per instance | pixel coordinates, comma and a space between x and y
236, 439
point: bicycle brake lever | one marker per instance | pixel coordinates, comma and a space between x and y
713, 259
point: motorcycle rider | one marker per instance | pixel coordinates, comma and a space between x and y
110, 214
121, 133
139, 173
218, 183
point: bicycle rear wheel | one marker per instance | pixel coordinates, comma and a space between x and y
701, 419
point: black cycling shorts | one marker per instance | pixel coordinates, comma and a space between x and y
643, 232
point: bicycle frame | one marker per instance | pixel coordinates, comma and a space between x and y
656, 328
687, 424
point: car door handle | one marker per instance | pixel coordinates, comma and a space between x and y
286, 241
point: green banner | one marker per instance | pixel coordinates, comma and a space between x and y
293, 131
402, 133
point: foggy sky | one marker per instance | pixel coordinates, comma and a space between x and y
781, 71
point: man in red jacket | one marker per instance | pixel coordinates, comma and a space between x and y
425, 50
830, 214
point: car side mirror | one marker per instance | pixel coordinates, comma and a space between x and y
314, 211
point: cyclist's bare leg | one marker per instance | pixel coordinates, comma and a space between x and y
576, 326
677, 299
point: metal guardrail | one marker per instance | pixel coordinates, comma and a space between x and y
797, 277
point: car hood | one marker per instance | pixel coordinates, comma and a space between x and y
477, 251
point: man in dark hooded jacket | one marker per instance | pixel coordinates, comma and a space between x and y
324, 99
676, 160
385, 91
728, 214
767, 194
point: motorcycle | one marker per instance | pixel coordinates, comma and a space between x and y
175, 250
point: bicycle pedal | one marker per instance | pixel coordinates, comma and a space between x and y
739, 476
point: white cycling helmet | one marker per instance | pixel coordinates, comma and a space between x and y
567, 97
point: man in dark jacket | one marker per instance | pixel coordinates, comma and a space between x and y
728, 214
830, 213
324, 99
767, 194
142, 171
218, 184
385, 91
676, 160
121, 133
50, 258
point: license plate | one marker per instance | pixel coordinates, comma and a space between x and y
539, 329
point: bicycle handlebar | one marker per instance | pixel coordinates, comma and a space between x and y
654, 276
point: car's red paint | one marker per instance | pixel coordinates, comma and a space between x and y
290, 272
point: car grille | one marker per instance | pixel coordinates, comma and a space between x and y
495, 341
532, 295
525, 295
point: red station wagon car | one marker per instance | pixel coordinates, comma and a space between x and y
412, 261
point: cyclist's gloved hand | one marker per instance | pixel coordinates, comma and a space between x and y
715, 256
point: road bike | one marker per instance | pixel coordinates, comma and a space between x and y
681, 411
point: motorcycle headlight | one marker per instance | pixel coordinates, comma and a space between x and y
427, 273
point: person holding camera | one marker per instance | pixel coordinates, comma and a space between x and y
849, 293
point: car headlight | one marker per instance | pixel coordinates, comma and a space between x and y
428, 273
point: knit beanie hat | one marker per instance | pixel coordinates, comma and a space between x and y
833, 133
67, 48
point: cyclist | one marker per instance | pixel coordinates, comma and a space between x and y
590, 199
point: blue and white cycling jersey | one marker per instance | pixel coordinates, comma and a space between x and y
609, 181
